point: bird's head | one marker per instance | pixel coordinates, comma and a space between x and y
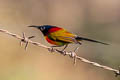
44, 28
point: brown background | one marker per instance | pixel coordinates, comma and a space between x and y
96, 19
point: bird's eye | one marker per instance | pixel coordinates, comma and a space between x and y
42, 28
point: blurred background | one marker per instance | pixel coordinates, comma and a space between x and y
95, 19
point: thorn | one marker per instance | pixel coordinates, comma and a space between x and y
25, 40
75, 61
23, 35
20, 43
22, 40
31, 37
26, 45
117, 73
74, 55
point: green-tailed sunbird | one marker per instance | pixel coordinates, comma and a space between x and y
60, 37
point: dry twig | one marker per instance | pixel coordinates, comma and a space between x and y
71, 54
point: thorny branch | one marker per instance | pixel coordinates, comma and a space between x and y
71, 54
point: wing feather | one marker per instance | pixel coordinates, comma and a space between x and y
64, 36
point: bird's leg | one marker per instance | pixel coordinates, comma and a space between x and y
79, 43
64, 47
75, 41
52, 48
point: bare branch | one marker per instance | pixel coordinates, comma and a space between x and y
71, 54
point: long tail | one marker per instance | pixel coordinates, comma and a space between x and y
91, 40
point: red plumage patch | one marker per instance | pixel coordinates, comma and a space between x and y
54, 29
50, 41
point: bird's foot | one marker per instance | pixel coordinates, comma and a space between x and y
51, 49
62, 52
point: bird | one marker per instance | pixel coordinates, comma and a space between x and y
59, 37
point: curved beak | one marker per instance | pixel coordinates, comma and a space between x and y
33, 26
